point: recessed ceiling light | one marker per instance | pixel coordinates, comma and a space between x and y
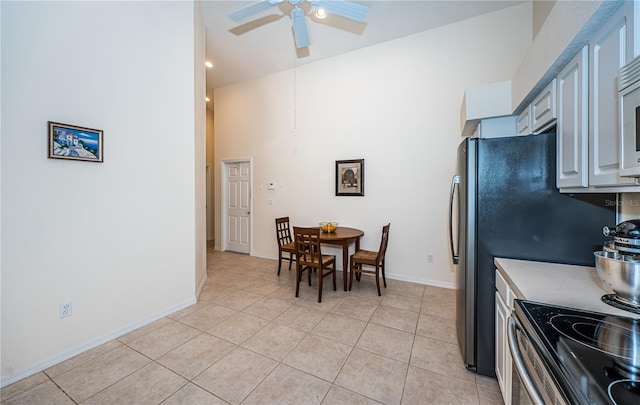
206, 99
321, 13
208, 64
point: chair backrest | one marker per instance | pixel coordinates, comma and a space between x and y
384, 242
283, 231
307, 242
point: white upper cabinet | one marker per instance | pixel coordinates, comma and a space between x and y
543, 108
589, 137
609, 50
572, 128
523, 124
540, 114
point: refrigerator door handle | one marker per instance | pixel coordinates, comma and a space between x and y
454, 182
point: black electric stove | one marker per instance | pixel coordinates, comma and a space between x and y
594, 358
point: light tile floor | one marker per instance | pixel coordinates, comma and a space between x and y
248, 340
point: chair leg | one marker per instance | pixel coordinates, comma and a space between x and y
280, 263
378, 280
351, 275
290, 260
320, 277
298, 277
383, 277
334, 276
309, 275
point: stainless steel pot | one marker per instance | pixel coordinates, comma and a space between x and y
621, 337
621, 273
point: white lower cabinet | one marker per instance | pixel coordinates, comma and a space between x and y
503, 355
504, 303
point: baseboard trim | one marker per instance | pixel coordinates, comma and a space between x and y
422, 281
45, 364
398, 277
201, 286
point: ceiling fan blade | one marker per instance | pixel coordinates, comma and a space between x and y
300, 27
347, 9
246, 11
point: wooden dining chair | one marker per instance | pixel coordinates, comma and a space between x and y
371, 258
309, 257
286, 246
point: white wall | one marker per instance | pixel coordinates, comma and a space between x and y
200, 165
568, 27
628, 206
540, 10
396, 105
212, 171
115, 238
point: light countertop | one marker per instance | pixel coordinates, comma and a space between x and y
558, 284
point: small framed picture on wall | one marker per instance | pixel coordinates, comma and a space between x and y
75, 143
350, 177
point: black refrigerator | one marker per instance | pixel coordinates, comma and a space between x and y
507, 205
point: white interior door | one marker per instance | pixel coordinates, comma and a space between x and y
238, 207
209, 205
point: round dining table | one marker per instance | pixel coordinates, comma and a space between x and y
344, 237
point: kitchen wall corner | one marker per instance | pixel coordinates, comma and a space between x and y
628, 206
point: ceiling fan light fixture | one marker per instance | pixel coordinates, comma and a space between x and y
343, 8
321, 13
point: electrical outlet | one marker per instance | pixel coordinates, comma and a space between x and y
66, 309
430, 258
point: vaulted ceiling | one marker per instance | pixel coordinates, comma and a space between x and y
264, 43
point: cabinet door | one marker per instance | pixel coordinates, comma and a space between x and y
573, 126
524, 121
543, 108
609, 50
503, 355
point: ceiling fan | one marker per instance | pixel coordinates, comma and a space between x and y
343, 8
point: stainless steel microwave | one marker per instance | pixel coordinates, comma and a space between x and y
629, 90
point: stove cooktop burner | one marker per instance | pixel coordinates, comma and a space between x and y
624, 391
594, 333
614, 301
595, 357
